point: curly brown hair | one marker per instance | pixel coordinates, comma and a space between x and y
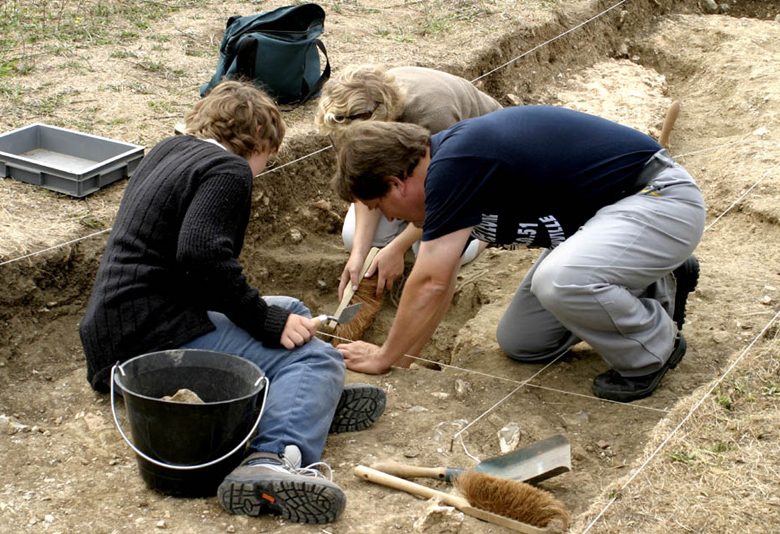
360, 92
238, 115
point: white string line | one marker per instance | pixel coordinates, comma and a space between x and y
537, 47
269, 171
82, 238
31, 254
684, 420
331, 146
323, 149
743, 195
511, 381
678, 157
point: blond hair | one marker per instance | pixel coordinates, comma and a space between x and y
370, 153
238, 115
360, 92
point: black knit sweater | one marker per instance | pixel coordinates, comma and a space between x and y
173, 255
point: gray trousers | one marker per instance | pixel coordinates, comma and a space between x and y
611, 284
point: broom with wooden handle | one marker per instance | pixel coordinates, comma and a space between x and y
365, 294
515, 505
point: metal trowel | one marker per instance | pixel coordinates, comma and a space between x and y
534, 463
343, 317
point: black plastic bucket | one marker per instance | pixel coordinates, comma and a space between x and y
186, 449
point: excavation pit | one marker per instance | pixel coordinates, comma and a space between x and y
61, 443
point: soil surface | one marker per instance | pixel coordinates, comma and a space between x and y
65, 467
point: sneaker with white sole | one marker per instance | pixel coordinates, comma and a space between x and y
266, 483
359, 407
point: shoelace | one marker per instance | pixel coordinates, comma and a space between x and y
286, 466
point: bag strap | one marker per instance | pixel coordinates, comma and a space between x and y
246, 52
308, 19
323, 78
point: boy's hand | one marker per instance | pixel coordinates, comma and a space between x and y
298, 330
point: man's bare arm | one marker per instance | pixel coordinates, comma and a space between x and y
425, 299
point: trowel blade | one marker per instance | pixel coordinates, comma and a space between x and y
537, 462
349, 313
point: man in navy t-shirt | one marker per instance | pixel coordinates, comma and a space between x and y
617, 217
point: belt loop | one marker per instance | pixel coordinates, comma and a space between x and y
664, 156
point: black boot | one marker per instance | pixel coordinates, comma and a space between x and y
687, 276
613, 386
359, 407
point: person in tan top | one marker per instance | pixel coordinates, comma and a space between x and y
427, 97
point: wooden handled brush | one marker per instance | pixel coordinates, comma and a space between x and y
515, 505
366, 295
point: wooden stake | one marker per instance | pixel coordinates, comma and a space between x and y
669, 120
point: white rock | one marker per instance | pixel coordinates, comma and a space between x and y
761, 132
509, 437
709, 6
295, 235
439, 519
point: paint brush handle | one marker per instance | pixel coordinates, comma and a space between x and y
398, 469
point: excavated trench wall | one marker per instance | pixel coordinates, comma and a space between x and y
45, 294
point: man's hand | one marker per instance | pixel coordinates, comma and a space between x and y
351, 273
363, 357
298, 330
388, 265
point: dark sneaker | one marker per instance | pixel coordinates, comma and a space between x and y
267, 484
687, 276
611, 385
359, 407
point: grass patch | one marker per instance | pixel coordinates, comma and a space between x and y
164, 107
441, 17
123, 54
26, 25
683, 457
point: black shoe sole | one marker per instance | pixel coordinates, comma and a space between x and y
300, 501
359, 407
671, 363
687, 277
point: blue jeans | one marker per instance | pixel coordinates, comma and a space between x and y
305, 383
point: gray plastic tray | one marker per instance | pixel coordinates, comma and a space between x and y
66, 161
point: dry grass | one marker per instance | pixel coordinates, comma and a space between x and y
32, 219
718, 469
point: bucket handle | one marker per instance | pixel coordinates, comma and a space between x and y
179, 466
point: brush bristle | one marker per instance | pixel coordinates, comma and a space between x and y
516, 500
366, 294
